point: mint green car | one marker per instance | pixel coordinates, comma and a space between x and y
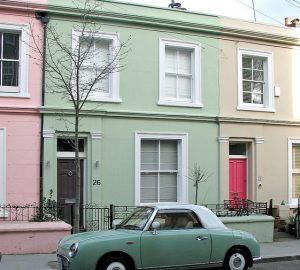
161, 237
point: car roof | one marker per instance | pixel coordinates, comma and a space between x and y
207, 217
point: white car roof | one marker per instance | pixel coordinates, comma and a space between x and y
206, 216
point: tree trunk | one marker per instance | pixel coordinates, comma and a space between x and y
76, 228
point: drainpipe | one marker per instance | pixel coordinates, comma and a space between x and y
44, 19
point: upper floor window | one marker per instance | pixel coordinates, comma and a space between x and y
13, 61
255, 74
98, 52
179, 74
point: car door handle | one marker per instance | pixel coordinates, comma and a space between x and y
200, 238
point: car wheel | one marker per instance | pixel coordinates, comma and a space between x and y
236, 260
115, 263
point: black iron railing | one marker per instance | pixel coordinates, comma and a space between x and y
239, 207
94, 217
29, 212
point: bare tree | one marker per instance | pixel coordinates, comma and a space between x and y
198, 175
77, 69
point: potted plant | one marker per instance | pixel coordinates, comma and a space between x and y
291, 225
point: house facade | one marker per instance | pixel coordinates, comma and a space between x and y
141, 136
20, 99
259, 112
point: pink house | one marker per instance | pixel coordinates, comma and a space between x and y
20, 98
20, 128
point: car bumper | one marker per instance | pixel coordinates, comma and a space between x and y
63, 262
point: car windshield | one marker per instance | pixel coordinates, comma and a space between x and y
137, 220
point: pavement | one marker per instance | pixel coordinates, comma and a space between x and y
284, 248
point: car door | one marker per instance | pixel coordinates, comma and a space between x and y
180, 240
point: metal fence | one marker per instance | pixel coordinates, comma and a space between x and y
95, 217
29, 212
240, 207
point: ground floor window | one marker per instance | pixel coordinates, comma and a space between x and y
2, 167
294, 174
161, 166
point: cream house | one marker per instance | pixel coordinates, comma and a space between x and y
259, 112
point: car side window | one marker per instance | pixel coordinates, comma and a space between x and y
176, 220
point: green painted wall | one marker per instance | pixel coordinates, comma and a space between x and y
138, 111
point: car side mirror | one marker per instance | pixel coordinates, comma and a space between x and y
116, 222
155, 226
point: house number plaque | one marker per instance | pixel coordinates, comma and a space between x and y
96, 182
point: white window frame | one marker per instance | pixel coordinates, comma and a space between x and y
114, 77
22, 89
2, 169
268, 95
196, 98
182, 139
292, 202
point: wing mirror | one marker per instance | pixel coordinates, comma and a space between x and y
155, 226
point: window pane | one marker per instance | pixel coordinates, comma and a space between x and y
1, 45
10, 46
67, 145
149, 155
170, 91
237, 149
296, 185
10, 73
246, 86
184, 62
258, 75
247, 62
247, 74
171, 60
258, 88
296, 156
258, 63
168, 155
149, 187
102, 52
247, 97
87, 51
184, 87
86, 77
168, 187
257, 98
102, 85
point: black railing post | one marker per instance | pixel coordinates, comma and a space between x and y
270, 211
111, 215
298, 221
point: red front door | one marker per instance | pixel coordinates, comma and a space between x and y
237, 179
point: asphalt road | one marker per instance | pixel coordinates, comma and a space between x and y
285, 265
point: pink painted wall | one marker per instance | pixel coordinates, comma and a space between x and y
31, 237
21, 118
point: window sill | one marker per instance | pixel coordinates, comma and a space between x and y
104, 99
180, 104
14, 95
255, 109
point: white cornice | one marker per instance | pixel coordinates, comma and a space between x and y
48, 133
96, 135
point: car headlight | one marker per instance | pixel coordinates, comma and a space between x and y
73, 250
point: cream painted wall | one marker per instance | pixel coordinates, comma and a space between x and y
267, 133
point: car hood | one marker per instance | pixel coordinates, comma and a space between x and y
87, 236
